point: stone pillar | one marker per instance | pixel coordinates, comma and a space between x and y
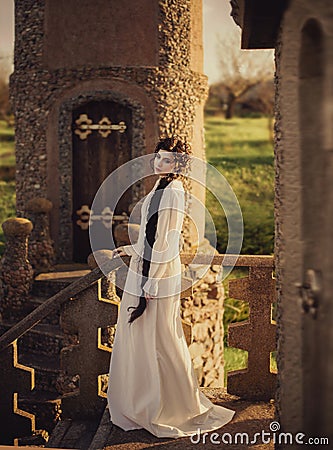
41, 251
16, 273
205, 311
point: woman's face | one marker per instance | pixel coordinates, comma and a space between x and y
164, 162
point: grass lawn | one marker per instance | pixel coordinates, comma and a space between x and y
7, 188
7, 206
242, 151
7, 157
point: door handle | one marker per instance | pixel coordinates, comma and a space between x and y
310, 292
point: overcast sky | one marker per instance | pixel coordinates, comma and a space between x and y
216, 20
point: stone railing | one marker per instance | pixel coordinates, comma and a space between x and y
257, 335
40, 249
89, 310
15, 378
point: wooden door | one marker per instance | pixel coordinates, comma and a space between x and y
316, 238
102, 139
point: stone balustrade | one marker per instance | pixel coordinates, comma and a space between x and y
41, 250
94, 308
85, 316
257, 335
82, 309
108, 283
16, 273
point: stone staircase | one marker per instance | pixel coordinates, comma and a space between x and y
40, 349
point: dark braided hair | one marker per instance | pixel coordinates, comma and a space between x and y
150, 234
182, 152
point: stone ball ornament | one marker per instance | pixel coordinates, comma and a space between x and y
17, 227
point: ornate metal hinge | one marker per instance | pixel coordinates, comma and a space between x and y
87, 217
310, 292
85, 126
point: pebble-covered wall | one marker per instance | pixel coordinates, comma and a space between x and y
303, 237
165, 98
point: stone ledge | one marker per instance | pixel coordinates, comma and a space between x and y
250, 417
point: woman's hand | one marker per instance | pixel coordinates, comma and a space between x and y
149, 297
118, 252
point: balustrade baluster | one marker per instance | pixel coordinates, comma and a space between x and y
257, 335
85, 315
16, 274
40, 251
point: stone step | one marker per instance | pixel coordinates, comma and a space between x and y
48, 284
250, 418
47, 370
46, 406
73, 434
53, 318
34, 441
44, 339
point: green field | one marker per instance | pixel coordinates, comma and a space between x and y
7, 187
242, 151
7, 206
7, 157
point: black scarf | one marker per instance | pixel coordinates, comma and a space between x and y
150, 234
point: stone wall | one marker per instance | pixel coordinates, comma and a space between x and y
205, 309
303, 226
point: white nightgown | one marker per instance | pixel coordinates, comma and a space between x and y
152, 383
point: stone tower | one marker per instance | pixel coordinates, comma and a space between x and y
95, 84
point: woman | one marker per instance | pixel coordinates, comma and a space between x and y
152, 383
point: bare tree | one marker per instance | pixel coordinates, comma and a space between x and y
240, 70
260, 98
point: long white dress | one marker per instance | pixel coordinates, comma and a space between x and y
152, 383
